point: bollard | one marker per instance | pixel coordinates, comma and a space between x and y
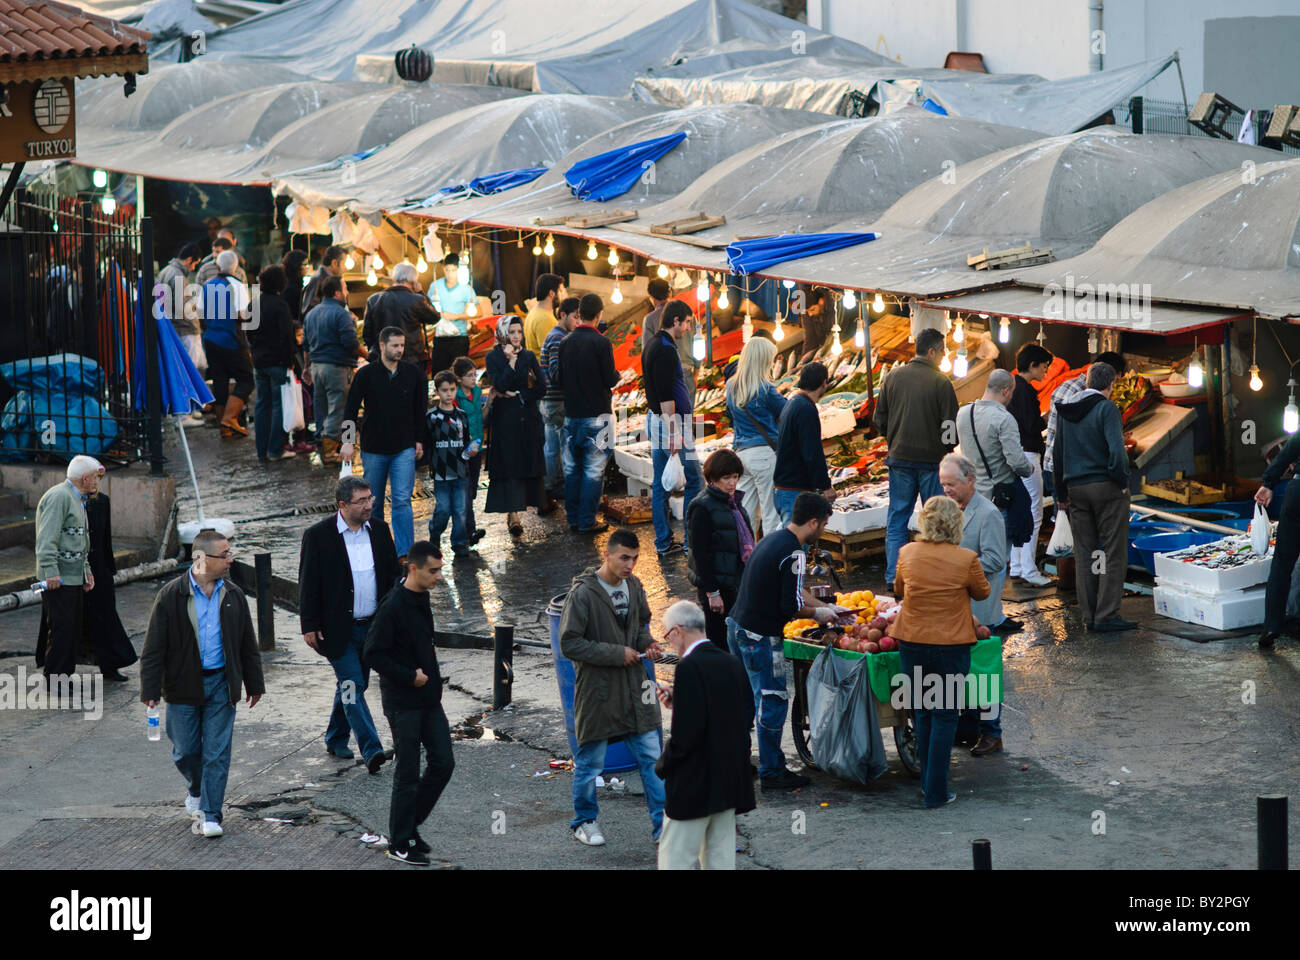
983, 854
265, 603
1270, 812
503, 646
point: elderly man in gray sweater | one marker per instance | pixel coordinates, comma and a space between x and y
990, 437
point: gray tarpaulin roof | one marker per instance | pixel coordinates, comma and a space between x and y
529, 131
811, 83
1060, 193
561, 46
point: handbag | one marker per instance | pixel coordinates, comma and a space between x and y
1011, 497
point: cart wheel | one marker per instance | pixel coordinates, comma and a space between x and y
799, 713
905, 741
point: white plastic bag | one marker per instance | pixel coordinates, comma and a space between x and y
674, 475
1259, 531
291, 404
1062, 542
345, 469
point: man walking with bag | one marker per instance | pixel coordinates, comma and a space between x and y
670, 422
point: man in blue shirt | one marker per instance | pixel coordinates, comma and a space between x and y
457, 303
330, 334
226, 305
670, 421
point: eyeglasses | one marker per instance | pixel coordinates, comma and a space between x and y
228, 555
362, 501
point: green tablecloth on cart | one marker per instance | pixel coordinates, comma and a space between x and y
983, 683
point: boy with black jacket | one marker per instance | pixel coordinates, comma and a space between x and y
450, 450
400, 649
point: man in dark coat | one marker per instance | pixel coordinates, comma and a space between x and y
705, 766
348, 564
402, 307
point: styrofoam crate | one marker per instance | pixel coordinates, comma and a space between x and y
836, 421
1225, 611
1171, 602
633, 465
855, 521
1209, 581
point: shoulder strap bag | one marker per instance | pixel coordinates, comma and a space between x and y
1010, 496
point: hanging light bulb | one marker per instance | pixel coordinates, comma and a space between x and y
1092, 340
1024, 319
984, 316
778, 331
1195, 375
946, 363
350, 263
372, 278
537, 246
878, 304
1042, 335
549, 249
746, 329
788, 284
723, 300
662, 271
1256, 384
836, 347
613, 257
421, 265
100, 179
850, 300
1004, 330
702, 288
958, 333
617, 295
959, 367
378, 262
108, 204
592, 254
1291, 413
697, 345
860, 335
519, 243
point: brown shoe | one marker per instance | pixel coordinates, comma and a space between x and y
329, 450
986, 745
230, 425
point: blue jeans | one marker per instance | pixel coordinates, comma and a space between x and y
268, 412
907, 478
351, 715
200, 739
659, 457
399, 469
449, 504
764, 660
553, 423
784, 500
590, 760
588, 444
935, 728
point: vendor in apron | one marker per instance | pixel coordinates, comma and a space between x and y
1286, 549
458, 304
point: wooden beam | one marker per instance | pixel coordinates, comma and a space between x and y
601, 219
98, 66
701, 221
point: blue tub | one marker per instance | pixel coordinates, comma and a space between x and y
1148, 528
1148, 547
1239, 508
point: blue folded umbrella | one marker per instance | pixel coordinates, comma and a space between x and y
180, 380
615, 172
933, 107
492, 183
750, 256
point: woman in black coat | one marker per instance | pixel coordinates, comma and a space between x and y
721, 538
516, 463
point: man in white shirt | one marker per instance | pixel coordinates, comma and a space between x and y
348, 564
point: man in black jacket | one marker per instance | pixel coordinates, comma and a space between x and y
348, 564
199, 652
271, 343
705, 766
331, 265
400, 649
1032, 362
800, 459
396, 397
670, 422
402, 307
587, 374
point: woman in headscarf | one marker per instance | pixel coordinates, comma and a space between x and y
516, 463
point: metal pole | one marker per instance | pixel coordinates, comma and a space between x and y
1135, 113
1270, 812
265, 604
503, 658
153, 373
89, 284
983, 854
708, 330
11, 182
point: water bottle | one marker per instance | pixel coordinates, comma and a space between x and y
155, 729
470, 450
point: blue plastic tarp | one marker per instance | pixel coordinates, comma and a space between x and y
751, 256
615, 172
492, 183
180, 380
55, 407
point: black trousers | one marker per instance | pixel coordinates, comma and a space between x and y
225, 365
715, 624
64, 609
1285, 552
414, 795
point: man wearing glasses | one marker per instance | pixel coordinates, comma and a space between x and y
200, 650
348, 564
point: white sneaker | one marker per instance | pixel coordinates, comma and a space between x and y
1037, 579
192, 806
589, 833
207, 828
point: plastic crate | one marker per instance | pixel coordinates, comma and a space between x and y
1225, 611
1211, 582
855, 521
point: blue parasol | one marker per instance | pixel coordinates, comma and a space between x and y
615, 172
485, 186
749, 256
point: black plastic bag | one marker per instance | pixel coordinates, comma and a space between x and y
844, 734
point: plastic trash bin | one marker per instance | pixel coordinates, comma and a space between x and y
618, 758
1168, 543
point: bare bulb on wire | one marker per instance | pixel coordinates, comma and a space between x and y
878, 304
613, 257
662, 271
617, 295
946, 363
959, 366
860, 336
537, 248
958, 333
850, 300
1004, 331
592, 253
697, 345
1256, 383
778, 331
371, 278
702, 290
378, 262
350, 263
471, 308
723, 301
421, 265
549, 249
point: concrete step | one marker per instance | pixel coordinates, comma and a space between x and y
18, 564
12, 503
17, 531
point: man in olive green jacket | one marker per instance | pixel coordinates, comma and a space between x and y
62, 561
604, 630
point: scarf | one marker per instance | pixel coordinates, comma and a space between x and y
742, 529
503, 328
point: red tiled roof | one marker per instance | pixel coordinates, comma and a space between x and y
43, 30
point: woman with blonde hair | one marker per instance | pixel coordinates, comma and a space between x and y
754, 407
936, 580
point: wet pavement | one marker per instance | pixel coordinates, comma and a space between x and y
1143, 749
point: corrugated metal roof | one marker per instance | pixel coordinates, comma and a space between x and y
44, 30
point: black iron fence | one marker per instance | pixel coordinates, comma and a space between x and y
72, 348
1168, 116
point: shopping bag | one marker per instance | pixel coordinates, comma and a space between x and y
1259, 531
1062, 542
674, 475
291, 404
844, 733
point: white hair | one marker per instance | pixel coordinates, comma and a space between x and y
404, 272
964, 466
82, 466
227, 261
685, 614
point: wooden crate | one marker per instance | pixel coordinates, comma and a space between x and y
844, 547
1190, 494
627, 510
